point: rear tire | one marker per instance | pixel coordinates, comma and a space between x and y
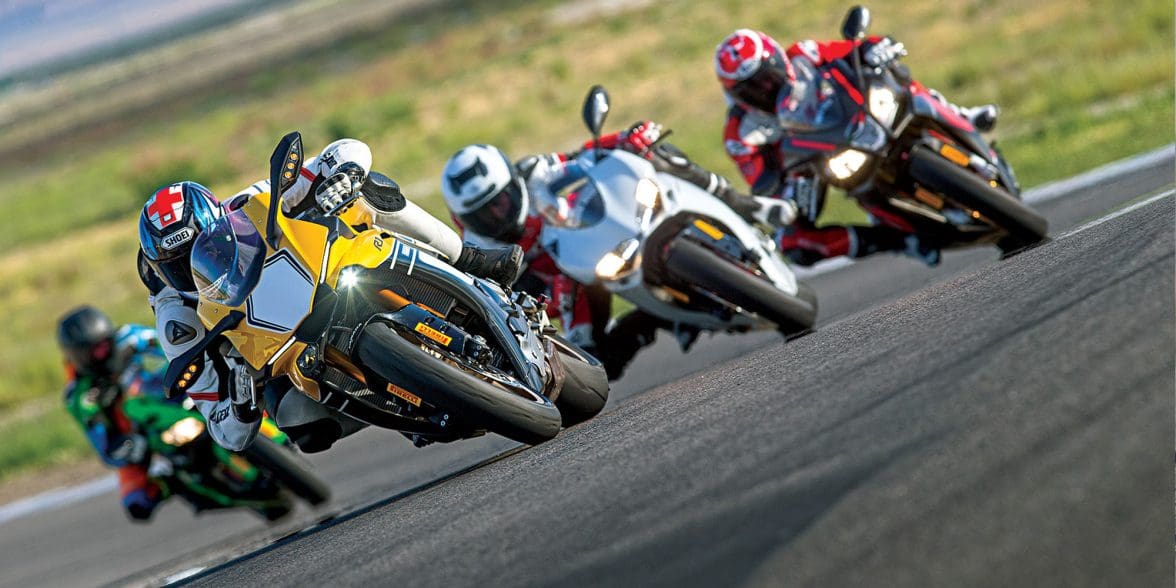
397, 360
1025, 226
585, 389
695, 264
288, 470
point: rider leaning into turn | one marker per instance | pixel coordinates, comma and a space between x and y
101, 362
493, 202
175, 214
767, 88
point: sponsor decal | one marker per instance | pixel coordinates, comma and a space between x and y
178, 238
710, 230
178, 333
433, 334
219, 415
166, 207
404, 395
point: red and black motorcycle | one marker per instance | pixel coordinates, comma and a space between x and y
906, 156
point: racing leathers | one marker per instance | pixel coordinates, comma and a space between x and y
584, 311
222, 388
96, 403
752, 140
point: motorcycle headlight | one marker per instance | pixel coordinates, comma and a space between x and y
847, 163
883, 105
618, 261
348, 278
648, 194
182, 432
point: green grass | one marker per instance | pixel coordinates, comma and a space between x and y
51, 438
1079, 85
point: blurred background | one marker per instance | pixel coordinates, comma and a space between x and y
103, 101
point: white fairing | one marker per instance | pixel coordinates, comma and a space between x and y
577, 251
285, 291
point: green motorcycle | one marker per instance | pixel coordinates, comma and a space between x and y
265, 477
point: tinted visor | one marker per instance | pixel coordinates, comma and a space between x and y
761, 90
227, 259
175, 272
92, 359
501, 215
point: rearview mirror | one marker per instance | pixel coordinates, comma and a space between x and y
285, 167
596, 109
857, 21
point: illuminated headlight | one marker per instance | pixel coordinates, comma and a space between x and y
618, 261
648, 193
847, 163
883, 105
182, 432
348, 278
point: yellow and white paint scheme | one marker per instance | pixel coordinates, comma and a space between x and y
285, 290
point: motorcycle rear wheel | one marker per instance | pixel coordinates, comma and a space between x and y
585, 388
288, 470
1025, 226
700, 266
398, 360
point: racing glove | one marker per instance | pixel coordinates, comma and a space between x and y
882, 52
641, 136
341, 187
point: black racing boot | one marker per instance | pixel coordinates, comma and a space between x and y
501, 264
625, 337
871, 240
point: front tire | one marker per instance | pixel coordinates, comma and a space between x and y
585, 388
697, 265
397, 360
1025, 226
288, 470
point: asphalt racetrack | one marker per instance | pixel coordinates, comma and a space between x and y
983, 423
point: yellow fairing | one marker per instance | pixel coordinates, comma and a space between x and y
301, 250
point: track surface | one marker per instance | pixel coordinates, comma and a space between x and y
978, 423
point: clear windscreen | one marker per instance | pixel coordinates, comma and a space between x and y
572, 201
227, 259
813, 103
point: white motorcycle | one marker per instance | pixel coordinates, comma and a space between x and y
669, 247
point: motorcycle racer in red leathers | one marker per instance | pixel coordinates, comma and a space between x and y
775, 92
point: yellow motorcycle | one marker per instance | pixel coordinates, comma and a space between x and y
380, 327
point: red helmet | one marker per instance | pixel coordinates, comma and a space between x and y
753, 69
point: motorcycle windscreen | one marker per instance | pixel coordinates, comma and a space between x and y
572, 200
810, 104
227, 259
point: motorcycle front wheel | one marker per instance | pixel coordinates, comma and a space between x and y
524, 416
697, 265
1025, 227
